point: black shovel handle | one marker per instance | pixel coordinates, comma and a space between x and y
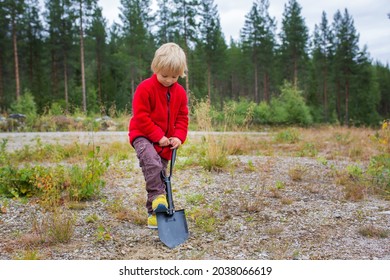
167, 182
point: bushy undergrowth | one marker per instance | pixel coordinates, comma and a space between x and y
57, 118
288, 108
55, 183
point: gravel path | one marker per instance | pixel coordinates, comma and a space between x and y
253, 211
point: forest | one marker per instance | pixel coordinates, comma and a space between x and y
64, 58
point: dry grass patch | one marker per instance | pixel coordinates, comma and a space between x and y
297, 172
372, 231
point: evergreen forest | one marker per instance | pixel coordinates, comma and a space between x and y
64, 57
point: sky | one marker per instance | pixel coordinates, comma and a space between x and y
370, 18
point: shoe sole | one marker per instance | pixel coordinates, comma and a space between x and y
152, 227
161, 208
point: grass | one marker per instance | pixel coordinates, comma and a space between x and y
372, 231
46, 171
297, 172
53, 228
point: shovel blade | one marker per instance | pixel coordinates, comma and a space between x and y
172, 229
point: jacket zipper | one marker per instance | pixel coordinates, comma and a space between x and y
168, 101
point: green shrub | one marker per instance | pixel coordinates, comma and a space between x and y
290, 107
15, 182
262, 113
86, 183
25, 105
279, 114
379, 172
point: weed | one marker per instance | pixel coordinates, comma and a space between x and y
86, 183
322, 160
274, 231
29, 254
3, 207
343, 138
119, 210
378, 173
308, 150
215, 155
250, 167
93, 218
102, 234
4, 157
287, 201
204, 218
137, 216
195, 199
253, 205
297, 172
373, 232
76, 205
15, 182
61, 226
55, 227
279, 185
275, 192
290, 136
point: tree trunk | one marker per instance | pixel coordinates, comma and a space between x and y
256, 84
16, 59
266, 87
338, 106
346, 102
83, 88
295, 72
66, 85
325, 94
1, 81
209, 81
54, 73
99, 75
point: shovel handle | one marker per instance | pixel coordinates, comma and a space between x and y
167, 182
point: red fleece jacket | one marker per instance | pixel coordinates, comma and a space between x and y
155, 115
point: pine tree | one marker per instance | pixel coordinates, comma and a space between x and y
185, 29
383, 76
294, 43
212, 42
257, 37
165, 21
84, 10
97, 32
135, 15
4, 23
14, 9
33, 49
322, 58
346, 51
60, 18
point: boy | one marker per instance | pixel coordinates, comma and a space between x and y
159, 123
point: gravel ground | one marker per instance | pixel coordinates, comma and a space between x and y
253, 211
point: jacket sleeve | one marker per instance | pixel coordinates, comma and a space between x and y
142, 116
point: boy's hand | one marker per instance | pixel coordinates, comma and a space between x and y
175, 142
164, 142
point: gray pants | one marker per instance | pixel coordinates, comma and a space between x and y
152, 165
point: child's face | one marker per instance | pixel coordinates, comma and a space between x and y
167, 79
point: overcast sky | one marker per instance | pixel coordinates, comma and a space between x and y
370, 18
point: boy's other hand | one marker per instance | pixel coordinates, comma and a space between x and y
175, 142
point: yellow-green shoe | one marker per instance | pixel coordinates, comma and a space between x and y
152, 221
160, 203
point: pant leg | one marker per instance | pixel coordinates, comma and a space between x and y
152, 165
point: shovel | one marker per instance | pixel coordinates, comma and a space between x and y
172, 224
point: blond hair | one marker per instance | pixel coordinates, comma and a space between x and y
171, 58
